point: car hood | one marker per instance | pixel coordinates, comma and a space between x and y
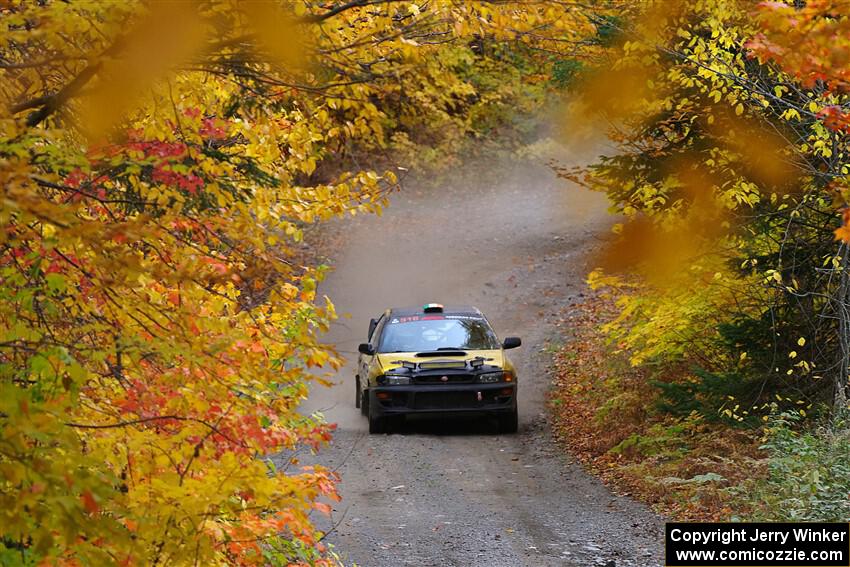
391, 360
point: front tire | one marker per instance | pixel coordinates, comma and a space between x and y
509, 422
358, 397
377, 423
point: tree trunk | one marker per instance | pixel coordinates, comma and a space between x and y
842, 308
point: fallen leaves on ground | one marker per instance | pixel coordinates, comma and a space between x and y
603, 411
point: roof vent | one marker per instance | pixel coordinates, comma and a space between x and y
432, 308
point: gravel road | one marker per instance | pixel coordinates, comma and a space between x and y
511, 239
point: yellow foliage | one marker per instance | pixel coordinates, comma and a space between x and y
158, 165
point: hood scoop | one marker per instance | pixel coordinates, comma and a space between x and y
454, 364
435, 353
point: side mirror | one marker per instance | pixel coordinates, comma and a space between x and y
365, 348
511, 342
372, 324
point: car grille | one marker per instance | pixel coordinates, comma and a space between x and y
450, 379
442, 364
445, 400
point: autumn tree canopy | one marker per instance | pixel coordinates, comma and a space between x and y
731, 178
158, 164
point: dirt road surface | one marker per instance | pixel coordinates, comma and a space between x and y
510, 239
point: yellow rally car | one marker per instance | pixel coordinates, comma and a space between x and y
435, 360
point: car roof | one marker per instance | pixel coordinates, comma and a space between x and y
447, 310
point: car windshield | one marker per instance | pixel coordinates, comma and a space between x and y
429, 332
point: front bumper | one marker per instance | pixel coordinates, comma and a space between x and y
433, 399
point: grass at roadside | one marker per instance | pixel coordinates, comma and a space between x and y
605, 412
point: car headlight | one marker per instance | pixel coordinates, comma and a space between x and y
490, 377
394, 380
